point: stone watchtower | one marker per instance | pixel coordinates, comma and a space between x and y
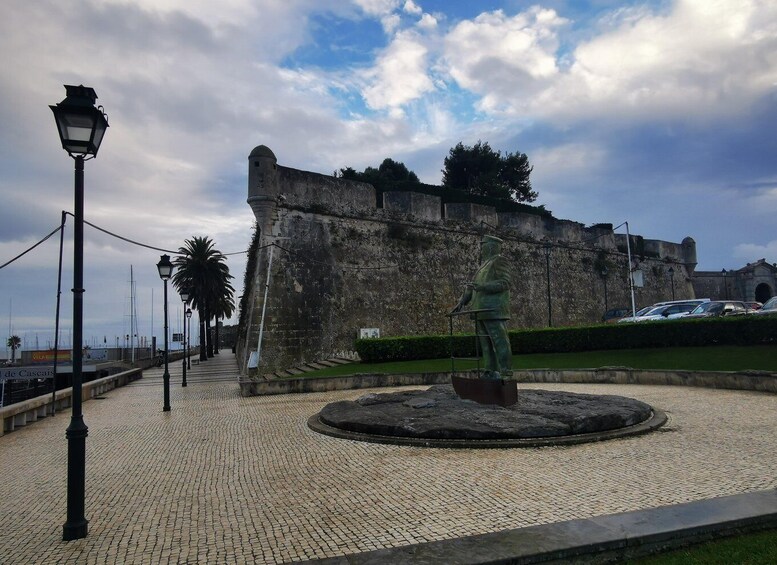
263, 187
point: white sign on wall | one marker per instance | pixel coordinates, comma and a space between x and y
368, 333
26, 373
639, 278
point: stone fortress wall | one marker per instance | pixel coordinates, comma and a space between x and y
341, 263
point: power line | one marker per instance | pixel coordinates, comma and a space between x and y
127, 239
31, 248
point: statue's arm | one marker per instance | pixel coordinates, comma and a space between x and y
464, 300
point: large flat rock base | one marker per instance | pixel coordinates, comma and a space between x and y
437, 417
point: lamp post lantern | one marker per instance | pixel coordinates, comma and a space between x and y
189, 337
671, 278
81, 128
185, 300
546, 248
165, 268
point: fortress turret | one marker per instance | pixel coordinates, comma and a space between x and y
262, 185
689, 254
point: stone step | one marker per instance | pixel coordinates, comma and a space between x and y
339, 360
327, 363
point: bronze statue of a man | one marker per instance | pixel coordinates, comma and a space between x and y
490, 291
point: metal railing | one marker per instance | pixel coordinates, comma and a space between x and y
477, 336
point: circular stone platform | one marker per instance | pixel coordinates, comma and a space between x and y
437, 417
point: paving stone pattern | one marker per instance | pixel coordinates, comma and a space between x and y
226, 479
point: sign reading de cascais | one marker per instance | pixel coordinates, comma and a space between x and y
26, 373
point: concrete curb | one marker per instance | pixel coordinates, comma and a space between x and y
758, 381
603, 539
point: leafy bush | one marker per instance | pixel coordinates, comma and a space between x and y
739, 330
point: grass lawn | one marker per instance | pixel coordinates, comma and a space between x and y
751, 549
723, 358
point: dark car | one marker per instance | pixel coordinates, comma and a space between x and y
615, 314
719, 308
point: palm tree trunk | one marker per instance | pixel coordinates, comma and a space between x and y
210, 337
203, 355
216, 338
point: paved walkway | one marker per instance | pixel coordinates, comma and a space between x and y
225, 479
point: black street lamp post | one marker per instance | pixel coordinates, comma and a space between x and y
604, 278
547, 276
165, 268
725, 281
81, 128
184, 299
188, 337
671, 278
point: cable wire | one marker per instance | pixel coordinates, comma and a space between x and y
31, 248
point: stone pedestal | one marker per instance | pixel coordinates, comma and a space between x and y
486, 391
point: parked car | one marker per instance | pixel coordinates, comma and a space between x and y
719, 308
637, 315
754, 305
769, 307
695, 301
669, 311
614, 314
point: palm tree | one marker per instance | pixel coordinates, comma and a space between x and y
224, 308
202, 270
14, 342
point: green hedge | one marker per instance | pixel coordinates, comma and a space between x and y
739, 330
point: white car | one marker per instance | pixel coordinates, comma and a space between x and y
669, 311
635, 317
769, 307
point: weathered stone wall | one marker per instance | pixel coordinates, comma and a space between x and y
755, 281
341, 264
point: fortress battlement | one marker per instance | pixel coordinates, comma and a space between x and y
348, 256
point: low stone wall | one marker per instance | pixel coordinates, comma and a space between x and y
323, 384
29, 411
759, 381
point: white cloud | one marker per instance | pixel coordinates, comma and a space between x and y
568, 158
702, 57
412, 8
751, 252
390, 23
427, 21
400, 74
699, 57
503, 57
763, 198
377, 7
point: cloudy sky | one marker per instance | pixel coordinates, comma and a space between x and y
662, 113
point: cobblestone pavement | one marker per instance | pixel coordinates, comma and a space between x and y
225, 479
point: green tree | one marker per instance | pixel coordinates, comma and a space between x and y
202, 269
481, 170
14, 342
388, 174
223, 308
